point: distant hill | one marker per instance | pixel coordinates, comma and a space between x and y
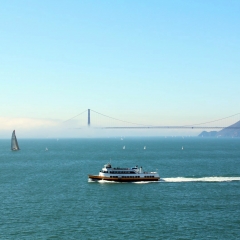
231, 131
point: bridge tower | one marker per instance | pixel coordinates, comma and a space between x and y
89, 117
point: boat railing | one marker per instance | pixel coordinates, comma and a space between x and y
118, 168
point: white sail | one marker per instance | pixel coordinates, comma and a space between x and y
14, 143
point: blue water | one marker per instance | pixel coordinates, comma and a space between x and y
46, 194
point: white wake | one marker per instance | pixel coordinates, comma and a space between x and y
179, 179
202, 179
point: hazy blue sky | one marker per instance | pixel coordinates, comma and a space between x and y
151, 62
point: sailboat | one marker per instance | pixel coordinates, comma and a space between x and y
14, 143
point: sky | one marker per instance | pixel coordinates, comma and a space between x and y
155, 62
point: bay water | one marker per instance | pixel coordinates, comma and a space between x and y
45, 194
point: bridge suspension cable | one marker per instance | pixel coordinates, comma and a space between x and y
213, 120
192, 126
75, 116
121, 120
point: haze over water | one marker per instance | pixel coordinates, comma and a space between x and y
46, 194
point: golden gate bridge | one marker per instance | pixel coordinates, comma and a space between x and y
84, 119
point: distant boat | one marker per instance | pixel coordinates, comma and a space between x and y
144, 147
46, 149
14, 142
123, 147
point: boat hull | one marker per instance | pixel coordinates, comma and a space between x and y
119, 179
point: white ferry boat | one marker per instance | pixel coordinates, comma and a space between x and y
117, 174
